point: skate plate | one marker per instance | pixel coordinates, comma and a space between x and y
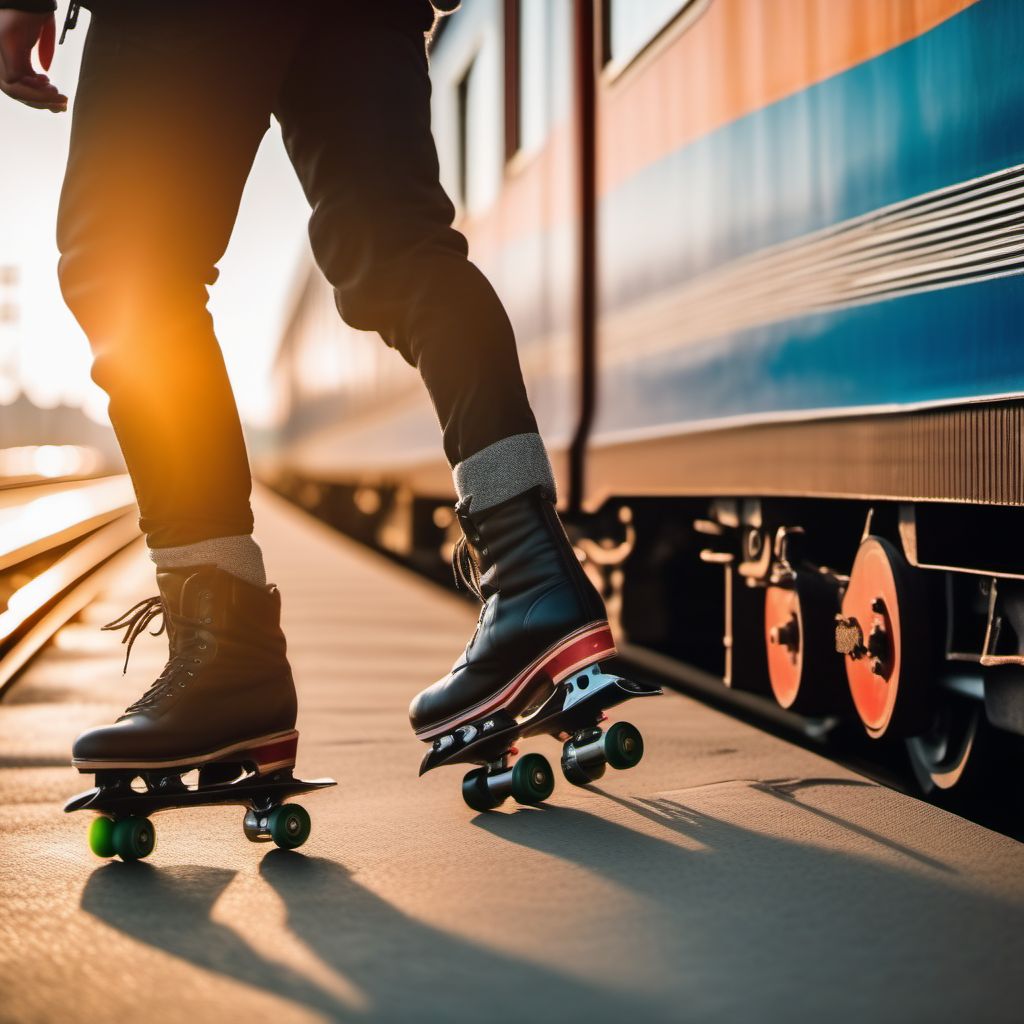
124, 799
117, 798
570, 713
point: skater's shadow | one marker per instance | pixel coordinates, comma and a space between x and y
169, 908
723, 902
409, 970
394, 966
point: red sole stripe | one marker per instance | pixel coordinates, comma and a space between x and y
272, 756
577, 651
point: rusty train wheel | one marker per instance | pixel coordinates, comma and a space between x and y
882, 633
803, 668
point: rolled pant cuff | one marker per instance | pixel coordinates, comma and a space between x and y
241, 556
503, 470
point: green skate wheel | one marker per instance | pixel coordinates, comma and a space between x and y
532, 779
289, 826
101, 837
133, 838
623, 745
477, 793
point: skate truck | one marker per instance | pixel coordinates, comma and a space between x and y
572, 712
256, 775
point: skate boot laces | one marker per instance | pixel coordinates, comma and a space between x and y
184, 633
135, 620
466, 569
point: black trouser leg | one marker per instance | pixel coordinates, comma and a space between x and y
172, 104
355, 112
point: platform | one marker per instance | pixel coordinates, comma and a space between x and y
730, 877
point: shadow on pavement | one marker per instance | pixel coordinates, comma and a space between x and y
787, 790
751, 926
169, 908
405, 969
411, 971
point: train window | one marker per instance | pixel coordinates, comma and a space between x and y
462, 93
533, 66
476, 144
527, 85
630, 26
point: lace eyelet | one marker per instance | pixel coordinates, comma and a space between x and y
197, 661
207, 620
202, 647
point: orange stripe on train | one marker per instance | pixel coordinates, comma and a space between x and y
737, 58
741, 56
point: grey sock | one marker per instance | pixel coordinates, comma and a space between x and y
241, 556
504, 469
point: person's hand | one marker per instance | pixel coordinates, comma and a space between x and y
20, 31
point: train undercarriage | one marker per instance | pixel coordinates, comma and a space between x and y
895, 628
903, 621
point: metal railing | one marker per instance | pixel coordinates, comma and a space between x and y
53, 539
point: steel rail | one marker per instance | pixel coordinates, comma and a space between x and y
83, 526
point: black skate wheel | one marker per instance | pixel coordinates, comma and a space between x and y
289, 826
477, 793
133, 838
533, 781
623, 745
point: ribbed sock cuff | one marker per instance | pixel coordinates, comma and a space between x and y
241, 556
503, 470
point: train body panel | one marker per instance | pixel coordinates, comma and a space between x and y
805, 258
802, 209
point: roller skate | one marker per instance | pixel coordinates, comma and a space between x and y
217, 726
536, 663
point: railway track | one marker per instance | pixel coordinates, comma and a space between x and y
56, 539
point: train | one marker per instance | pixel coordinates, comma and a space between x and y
762, 260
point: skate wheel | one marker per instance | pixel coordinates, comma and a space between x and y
623, 745
101, 837
477, 793
133, 838
532, 779
289, 826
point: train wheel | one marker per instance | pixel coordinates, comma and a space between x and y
882, 632
948, 751
799, 623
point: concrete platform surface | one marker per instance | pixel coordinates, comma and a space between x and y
730, 877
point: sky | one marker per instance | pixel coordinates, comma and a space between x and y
45, 355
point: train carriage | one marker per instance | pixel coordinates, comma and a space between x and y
761, 258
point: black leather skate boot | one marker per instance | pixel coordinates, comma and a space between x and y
226, 692
541, 619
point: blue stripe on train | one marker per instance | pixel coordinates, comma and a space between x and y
955, 343
943, 108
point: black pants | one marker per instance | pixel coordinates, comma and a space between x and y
173, 100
